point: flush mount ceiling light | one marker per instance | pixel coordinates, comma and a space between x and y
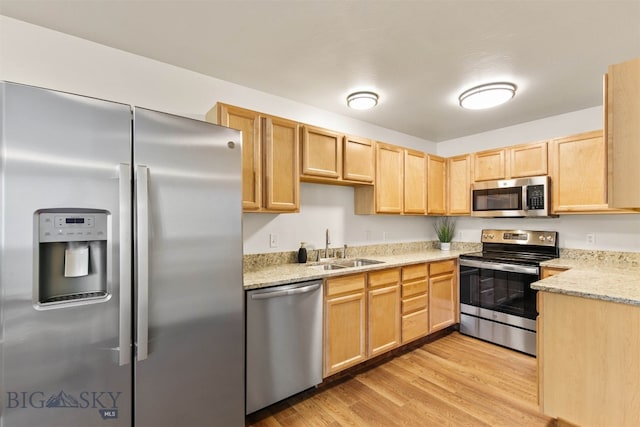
362, 100
487, 95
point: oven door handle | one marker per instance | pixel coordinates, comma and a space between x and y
512, 268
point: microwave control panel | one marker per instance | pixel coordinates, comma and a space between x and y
535, 197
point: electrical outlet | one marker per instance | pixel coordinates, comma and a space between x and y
385, 235
591, 238
273, 240
459, 236
367, 234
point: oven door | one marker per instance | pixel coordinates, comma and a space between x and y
499, 291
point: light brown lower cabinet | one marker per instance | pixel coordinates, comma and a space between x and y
368, 314
344, 322
588, 360
443, 295
383, 320
415, 302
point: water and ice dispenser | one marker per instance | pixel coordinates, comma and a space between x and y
72, 256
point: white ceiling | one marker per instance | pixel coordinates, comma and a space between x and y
418, 55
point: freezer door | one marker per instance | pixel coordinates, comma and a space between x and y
189, 305
60, 364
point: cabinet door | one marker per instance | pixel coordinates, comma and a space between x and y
282, 185
344, 343
489, 165
622, 133
321, 153
436, 185
384, 319
358, 159
459, 191
415, 182
442, 302
389, 178
248, 122
579, 173
528, 160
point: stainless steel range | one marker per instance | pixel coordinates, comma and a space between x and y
497, 303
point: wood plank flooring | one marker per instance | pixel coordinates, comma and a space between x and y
454, 381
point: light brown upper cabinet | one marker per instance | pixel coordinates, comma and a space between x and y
321, 153
622, 133
415, 182
333, 158
387, 195
436, 185
579, 173
358, 164
511, 162
459, 185
527, 160
270, 158
489, 165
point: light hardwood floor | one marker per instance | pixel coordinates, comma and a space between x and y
454, 381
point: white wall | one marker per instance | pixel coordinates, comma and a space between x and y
34, 55
330, 206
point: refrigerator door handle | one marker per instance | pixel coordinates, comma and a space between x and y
124, 334
142, 256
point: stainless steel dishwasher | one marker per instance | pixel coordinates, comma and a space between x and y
284, 342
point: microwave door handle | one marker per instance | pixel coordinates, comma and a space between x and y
525, 199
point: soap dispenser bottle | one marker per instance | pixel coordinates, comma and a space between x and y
302, 253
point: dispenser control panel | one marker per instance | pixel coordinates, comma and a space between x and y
72, 227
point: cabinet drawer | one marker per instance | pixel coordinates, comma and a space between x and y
410, 305
411, 272
345, 284
414, 288
442, 267
414, 326
384, 277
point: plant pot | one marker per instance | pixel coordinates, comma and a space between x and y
445, 246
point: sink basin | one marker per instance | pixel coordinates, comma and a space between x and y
358, 262
328, 266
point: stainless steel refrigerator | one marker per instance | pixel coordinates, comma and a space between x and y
121, 299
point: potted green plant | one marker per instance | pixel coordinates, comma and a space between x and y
445, 229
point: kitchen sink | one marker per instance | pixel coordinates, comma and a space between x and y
345, 263
328, 266
358, 262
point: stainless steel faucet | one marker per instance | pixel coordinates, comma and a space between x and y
327, 243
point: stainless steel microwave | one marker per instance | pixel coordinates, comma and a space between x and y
523, 197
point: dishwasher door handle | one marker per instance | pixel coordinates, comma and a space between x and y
275, 294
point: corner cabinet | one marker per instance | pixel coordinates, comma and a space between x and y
459, 185
622, 133
436, 185
270, 157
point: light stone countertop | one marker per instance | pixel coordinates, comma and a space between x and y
593, 279
291, 273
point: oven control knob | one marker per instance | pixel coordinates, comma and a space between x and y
549, 238
491, 236
541, 238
